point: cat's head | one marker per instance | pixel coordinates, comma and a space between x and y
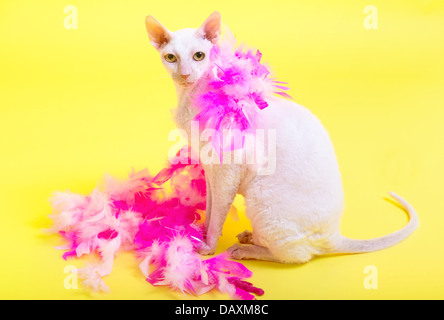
185, 53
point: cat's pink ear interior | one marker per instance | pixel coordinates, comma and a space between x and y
210, 29
157, 33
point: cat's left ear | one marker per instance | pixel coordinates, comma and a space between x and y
210, 29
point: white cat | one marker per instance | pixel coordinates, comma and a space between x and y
295, 212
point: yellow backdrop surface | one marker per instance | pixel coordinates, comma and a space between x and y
76, 104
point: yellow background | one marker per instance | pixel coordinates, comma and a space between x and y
76, 104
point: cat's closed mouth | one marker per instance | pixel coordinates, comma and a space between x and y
186, 83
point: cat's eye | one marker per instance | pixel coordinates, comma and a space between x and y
198, 56
170, 58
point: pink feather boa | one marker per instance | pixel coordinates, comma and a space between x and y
160, 217
231, 94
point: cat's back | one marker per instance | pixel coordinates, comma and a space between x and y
306, 184
294, 123
304, 153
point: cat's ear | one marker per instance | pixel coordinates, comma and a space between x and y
210, 29
158, 34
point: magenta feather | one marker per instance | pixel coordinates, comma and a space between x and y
160, 219
233, 92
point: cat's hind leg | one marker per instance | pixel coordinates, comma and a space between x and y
245, 237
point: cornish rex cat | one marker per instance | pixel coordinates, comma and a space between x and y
295, 211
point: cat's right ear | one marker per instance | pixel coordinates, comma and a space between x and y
210, 29
158, 34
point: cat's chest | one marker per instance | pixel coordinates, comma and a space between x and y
184, 114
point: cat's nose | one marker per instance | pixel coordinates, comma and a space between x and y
184, 76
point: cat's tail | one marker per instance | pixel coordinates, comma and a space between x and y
346, 245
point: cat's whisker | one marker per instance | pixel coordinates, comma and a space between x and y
160, 77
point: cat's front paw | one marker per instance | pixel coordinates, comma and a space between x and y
235, 251
206, 250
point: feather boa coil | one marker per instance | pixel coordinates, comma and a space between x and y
160, 217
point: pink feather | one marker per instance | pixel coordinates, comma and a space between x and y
233, 92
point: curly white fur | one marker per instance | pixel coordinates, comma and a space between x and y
295, 212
